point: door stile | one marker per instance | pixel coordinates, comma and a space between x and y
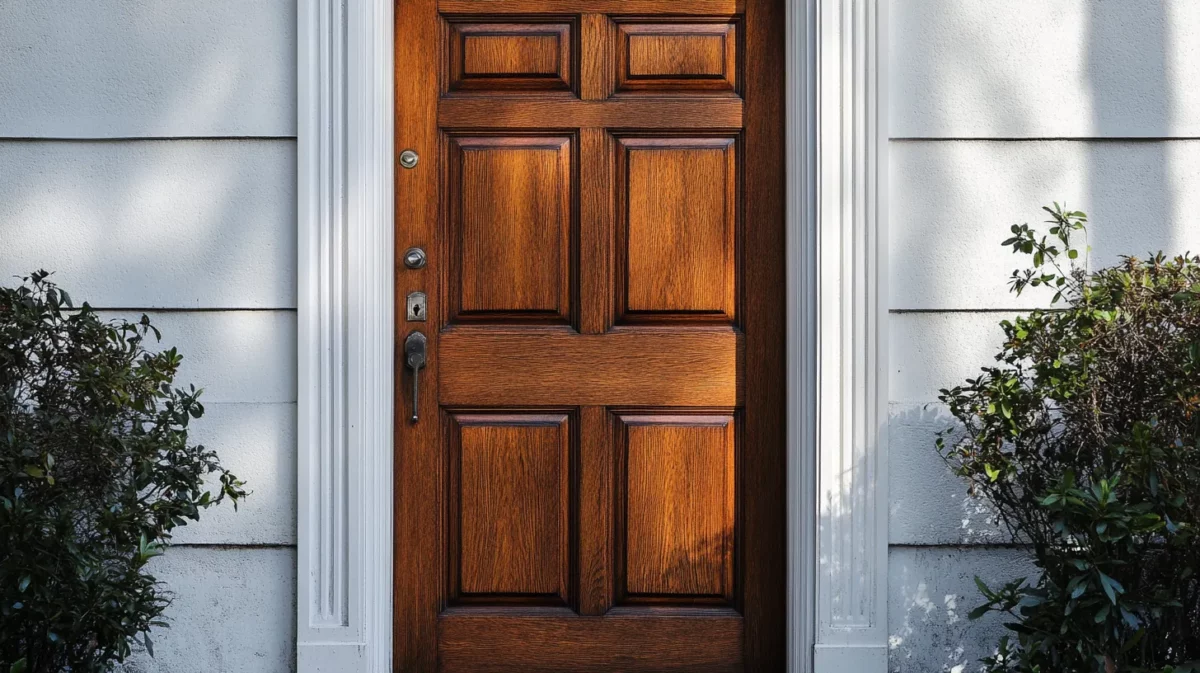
763, 316
419, 574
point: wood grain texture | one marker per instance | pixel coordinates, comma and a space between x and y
418, 575
509, 516
631, 7
680, 54
762, 315
510, 57
471, 113
510, 227
597, 496
596, 63
511, 54
677, 506
636, 367
571, 644
596, 265
676, 240
523, 200
698, 57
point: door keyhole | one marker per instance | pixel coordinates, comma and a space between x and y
416, 307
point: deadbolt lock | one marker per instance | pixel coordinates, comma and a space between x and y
414, 258
408, 159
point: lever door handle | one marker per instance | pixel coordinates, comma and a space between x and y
414, 358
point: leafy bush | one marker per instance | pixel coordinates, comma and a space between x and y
1085, 439
95, 472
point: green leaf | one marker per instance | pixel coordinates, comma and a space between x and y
1131, 619
992, 473
978, 612
23, 583
19, 666
1077, 586
1111, 587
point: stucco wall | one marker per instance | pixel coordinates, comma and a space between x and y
147, 155
996, 109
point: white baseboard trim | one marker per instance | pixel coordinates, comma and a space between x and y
850, 658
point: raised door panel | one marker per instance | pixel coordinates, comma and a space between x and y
510, 57
677, 235
510, 508
677, 57
510, 228
677, 543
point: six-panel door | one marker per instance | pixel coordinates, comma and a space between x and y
599, 193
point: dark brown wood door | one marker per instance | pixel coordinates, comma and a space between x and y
596, 479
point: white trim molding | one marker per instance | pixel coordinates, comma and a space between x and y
837, 252
847, 130
345, 320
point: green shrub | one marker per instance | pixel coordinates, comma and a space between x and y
1085, 439
95, 472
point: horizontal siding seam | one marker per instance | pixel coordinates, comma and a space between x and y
906, 311
249, 404
231, 546
117, 139
959, 546
199, 309
1034, 139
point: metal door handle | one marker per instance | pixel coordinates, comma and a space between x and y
414, 358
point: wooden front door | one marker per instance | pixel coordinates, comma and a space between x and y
595, 479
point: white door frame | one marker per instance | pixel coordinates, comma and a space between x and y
837, 346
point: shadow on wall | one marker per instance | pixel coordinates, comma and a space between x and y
155, 214
147, 156
147, 68
932, 591
1128, 79
1136, 190
941, 539
1076, 95
938, 511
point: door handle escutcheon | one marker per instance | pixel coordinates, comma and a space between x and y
414, 359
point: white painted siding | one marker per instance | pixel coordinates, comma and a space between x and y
1045, 68
233, 612
238, 357
147, 157
258, 443
953, 202
154, 223
139, 68
932, 591
998, 108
